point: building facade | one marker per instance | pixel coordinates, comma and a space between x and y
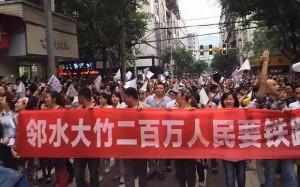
166, 29
193, 45
240, 37
23, 33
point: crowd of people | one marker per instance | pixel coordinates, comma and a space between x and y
263, 91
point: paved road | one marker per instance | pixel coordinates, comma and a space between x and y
212, 180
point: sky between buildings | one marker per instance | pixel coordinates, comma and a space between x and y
201, 12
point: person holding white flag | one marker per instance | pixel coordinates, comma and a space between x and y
54, 84
71, 92
97, 82
117, 76
245, 65
21, 90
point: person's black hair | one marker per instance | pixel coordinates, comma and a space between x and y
196, 96
238, 89
32, 103
185, 94
291, 85
161, 83
226, 94
255, 89
85, 93
131, 92
213, 87
59, 99
11, 101
297, 86
107, 97
117, 94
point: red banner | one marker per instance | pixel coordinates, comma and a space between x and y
156, 133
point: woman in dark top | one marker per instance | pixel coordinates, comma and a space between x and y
53, 101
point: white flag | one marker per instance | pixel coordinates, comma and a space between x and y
97, 82
146, 71
201, 81
203, 97
245, 65
144, 87
249, 94
176, 87
166, 73
118, 75
162, 79
149, 75
121, 105
237, 75
296, 67
234, 73
75, 100
54, 84
237, 85
128, 75
71, 92
131, 83
21, 90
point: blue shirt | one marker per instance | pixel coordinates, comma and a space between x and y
150, 100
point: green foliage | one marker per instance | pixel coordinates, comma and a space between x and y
200, 67
99, 26
282, 18
263, 38
183, 60
225, 64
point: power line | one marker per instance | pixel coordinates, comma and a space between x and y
142, 42
194, 19
156, 47
158, 34
201, 25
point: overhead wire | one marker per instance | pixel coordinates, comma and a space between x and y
195, 19
143, 41
200, 25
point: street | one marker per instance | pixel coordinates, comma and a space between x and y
212, 180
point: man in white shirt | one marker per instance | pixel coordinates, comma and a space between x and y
296, 105
159, 100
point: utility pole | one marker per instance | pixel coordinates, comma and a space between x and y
51, 66
172, 63
123, 62
134, 62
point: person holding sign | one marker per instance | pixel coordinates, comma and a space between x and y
234, 168
267, 98
185, 168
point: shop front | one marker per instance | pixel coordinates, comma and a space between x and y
23, 46
278, 64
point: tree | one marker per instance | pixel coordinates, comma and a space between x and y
280, 17
183, 59
263, 38
200, 66
99, 26
225, 64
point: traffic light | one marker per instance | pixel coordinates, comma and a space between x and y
224, 49
201, 50
210, 50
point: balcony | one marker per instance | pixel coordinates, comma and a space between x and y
34, 14
173, 6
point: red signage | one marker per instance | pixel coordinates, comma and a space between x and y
4, 38
158, 133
